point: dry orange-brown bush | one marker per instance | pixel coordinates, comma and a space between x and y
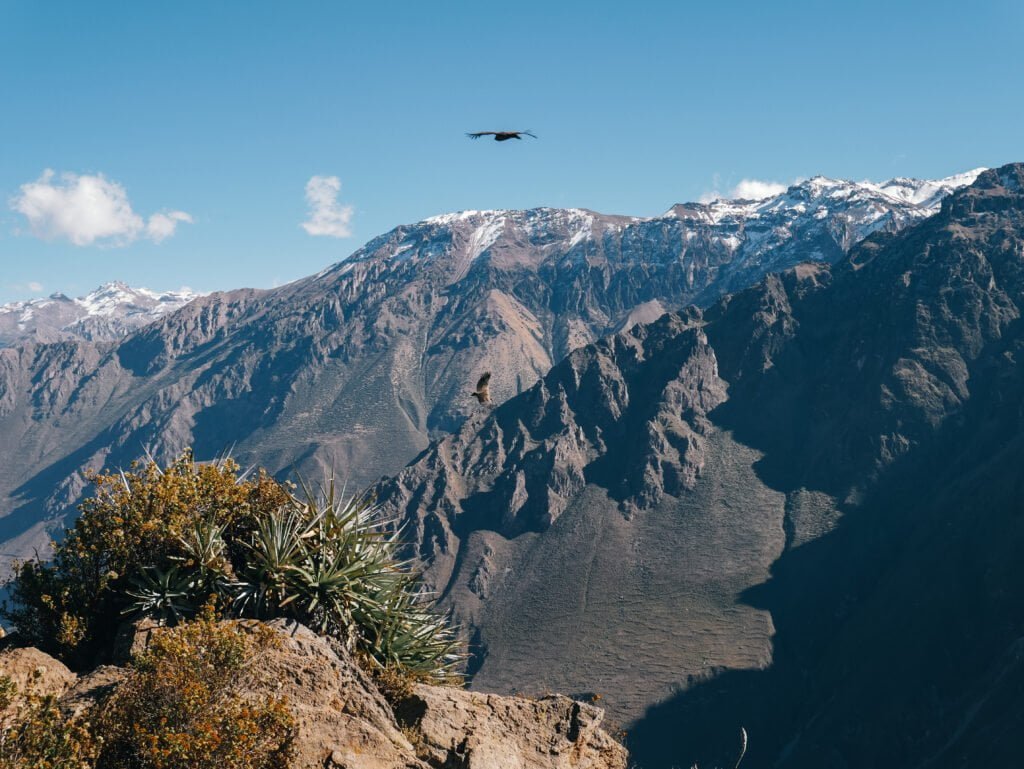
183, 705
34, 734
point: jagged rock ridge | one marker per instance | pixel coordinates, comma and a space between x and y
779, 512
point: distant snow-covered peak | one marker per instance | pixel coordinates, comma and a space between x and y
115, 297
460, 216
107, 313
814, 219
926, 194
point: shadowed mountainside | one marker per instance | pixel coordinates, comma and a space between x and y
798, 511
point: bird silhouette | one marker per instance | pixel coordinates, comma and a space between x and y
483, 390
502, 136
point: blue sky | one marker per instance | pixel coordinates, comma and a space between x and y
216, 115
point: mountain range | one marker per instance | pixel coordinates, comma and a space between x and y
753, 463
107, 314
797, 510
357, 368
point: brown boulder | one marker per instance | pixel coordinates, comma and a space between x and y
342, 721
486, 731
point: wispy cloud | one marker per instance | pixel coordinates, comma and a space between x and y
327, 215
162, 226
747, 189
29, 287
88, 209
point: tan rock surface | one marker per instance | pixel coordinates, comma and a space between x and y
487, 731
34, 671
344, 722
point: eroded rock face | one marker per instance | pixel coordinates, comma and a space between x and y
344, 722
486, 731
771, 510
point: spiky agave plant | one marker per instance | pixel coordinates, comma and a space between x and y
275, 549
325, 558
168, 595
403, 631
359, 588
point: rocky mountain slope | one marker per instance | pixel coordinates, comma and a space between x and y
797, 511
356, 368
109, 313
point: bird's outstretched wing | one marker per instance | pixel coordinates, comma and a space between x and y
478, 134
484, 380
528, 133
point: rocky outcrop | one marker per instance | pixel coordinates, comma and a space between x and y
469, 729
344, 722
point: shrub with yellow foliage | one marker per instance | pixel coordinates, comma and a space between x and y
159, 542
188, 703
72, 605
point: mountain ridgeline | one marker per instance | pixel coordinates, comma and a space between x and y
799, 510
358, 367
109, 313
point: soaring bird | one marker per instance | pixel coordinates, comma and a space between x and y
483, 390
502, 136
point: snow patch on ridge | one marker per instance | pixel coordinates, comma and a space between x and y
484, 237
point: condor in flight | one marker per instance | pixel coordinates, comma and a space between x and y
502, 136
483, 390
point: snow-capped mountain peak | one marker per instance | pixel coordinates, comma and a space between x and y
924, 194
117, 297
107, 313
717, 246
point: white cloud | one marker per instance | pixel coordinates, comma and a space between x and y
756, 189
747, 189
34, 285
327, 216
88, 209
161, 226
